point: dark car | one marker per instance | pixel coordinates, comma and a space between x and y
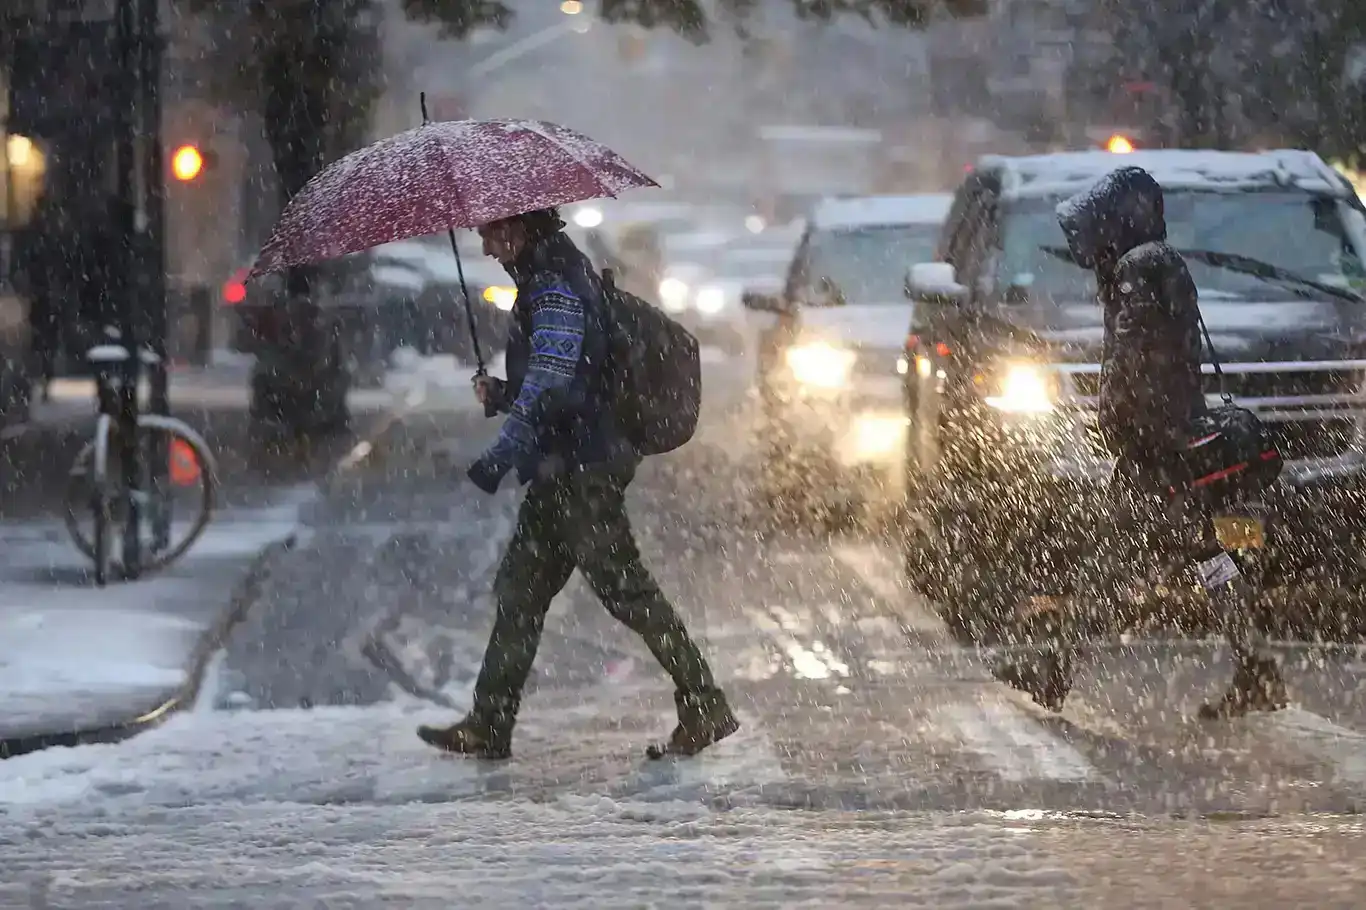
1003, 361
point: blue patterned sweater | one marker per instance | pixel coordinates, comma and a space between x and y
557, 326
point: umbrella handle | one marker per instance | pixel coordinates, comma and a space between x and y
490, 409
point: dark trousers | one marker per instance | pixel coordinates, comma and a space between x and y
577, 520
1145, 533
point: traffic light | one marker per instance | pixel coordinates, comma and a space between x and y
190, 161
187, 163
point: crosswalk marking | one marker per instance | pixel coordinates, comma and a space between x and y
876, 568
1013, 745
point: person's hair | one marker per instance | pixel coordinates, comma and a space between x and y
541, 223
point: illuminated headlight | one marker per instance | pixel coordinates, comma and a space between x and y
820, 364
710, 300
501, 297
1023, 388
673, 294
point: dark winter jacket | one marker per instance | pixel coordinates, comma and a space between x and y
1150, 385
555, 395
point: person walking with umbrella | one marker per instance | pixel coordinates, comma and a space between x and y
562, 436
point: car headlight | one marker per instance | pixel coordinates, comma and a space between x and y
710, 301
1023, 388
673, 294
501, 297
820, 364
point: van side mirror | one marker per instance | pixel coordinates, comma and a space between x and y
935, 282
763, 303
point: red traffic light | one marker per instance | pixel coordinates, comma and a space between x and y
187, 163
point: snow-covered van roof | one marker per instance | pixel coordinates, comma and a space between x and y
880, 211
1064, 173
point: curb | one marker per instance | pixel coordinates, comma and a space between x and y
245, 595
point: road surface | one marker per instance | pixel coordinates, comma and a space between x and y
878, 764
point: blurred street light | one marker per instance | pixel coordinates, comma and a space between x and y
187, 163
755, 224
588, 217
21, 179
1119, 144
19, 150
571, 7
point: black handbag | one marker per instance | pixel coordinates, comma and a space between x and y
1230, 454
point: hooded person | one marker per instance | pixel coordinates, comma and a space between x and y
560, 438
1151, 392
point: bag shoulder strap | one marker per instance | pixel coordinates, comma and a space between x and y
1213, 357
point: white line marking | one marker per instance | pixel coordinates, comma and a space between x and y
880, 572
1014, 747
1339, 746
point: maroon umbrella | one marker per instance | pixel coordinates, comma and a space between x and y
440, 176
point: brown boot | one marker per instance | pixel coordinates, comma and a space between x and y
1257, 686
472, 736
703, 719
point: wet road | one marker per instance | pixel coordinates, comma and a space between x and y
854, 694
877, 762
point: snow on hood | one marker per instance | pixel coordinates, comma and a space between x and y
398, 276
1062, 174
859, 325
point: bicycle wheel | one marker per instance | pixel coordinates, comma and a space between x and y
101, 499
191, 489
189, 493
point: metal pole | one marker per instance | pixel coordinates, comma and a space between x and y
153, 248
126, 78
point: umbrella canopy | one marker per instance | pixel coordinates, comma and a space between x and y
442, 175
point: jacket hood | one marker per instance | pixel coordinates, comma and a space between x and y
1121, 211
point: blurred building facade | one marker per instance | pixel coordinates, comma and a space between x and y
789, 111
57, 80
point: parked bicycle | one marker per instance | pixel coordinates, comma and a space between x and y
178, 502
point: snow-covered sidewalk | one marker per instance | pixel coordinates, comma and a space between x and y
75, 658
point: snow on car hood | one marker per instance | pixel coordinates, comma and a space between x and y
859, 325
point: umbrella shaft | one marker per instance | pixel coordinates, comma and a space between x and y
469, 307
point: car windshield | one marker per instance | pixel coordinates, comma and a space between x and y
865, 265
742, 267
1295, 234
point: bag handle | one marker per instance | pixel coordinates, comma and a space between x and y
1213, 357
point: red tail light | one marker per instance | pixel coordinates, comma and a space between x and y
235, 288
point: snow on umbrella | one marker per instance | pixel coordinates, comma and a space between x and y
438, 177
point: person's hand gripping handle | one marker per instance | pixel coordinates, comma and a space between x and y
488, 391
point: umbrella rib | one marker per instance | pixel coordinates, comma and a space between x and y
534, 126
461, 203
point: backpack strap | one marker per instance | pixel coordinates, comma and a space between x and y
1213, 357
